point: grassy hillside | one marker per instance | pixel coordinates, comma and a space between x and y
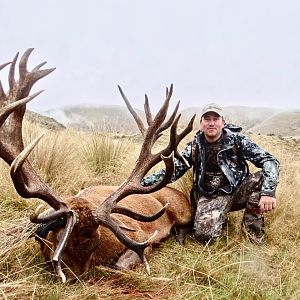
282, 124
105, 118
43, 121
232, 268
258, 120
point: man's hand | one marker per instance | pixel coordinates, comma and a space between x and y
267, 203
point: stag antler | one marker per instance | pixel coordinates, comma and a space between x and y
144, 163
26, 181
29, 185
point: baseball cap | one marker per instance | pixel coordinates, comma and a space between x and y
212, 107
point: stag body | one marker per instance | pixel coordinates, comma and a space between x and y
100, 223
90, 242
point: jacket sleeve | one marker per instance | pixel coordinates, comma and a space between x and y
262, 159
180, 169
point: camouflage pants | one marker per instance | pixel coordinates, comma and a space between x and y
211, 212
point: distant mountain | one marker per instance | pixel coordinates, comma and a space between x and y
118, 119
281, 124
109, 117
246, 117
42, 120
258, 120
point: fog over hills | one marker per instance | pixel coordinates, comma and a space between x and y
43, 121
113, 118
116, 118
281, 124
244, 116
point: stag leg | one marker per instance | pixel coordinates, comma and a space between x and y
180, 233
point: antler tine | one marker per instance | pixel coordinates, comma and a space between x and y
4, 65
16, 168
132, 111
161, 115
2, 94
187, 129
128, 212
168, 123
169, 167
144, 163
23, 63
152, 131
28, 79
39, 66
11, 74
71, 221
31, 186
148, 111
175, 138
7, 110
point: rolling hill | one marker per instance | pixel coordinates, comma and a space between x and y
105, 118
115, 118
281, 124
43, 121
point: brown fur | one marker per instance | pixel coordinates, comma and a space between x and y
92, 243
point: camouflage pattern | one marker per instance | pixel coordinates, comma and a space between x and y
243, 190
211, 212
235, 151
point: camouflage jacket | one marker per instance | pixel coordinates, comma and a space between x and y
232, 158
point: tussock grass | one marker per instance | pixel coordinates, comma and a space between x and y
104, 154
232, 268
57, 158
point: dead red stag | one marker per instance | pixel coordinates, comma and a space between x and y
90, 227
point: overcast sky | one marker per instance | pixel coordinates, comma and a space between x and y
231, 52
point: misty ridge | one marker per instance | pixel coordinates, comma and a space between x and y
116, 118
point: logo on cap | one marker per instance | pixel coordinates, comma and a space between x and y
212, 107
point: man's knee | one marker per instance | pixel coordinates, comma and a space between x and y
208, 227
254, 181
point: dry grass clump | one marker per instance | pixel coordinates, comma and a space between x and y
232, 268
104, 154
70, 160
57, 158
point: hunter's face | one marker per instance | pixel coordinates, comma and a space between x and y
212, 125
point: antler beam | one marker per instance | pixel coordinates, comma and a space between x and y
144, 163
27, 182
